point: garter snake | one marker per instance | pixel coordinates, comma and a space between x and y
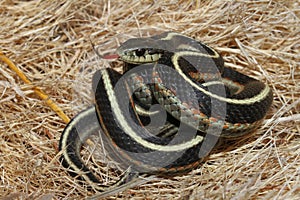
196, 93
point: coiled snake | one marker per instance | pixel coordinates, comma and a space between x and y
168, 109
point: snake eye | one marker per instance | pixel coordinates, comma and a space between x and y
140, 52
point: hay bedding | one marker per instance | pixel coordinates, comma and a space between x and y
50, 42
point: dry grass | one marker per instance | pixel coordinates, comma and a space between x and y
50, 42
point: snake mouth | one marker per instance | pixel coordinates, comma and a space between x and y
139, 56
133, 59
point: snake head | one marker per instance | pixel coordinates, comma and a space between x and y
140, 51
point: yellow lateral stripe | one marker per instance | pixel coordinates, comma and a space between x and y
264, 93
36, 89
64, 142
128, 129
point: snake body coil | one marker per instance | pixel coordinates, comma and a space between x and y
198, 100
